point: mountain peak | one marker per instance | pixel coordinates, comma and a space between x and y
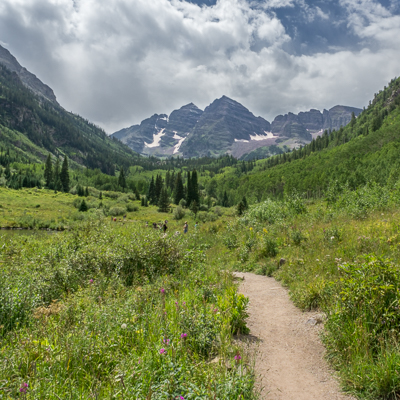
28, 79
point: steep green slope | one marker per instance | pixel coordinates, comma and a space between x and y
53, 129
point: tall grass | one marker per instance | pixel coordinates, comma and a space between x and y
117, 312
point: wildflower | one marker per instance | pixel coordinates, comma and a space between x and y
184, 303
91, 281
184, 336
251, 229
238, 357
123, 326
162, 290
166, 341
24, 388
162, 351
265, 231
332, 237
215, 310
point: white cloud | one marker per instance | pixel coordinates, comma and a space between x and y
120, 61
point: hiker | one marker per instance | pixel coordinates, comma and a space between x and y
185, 227
165, 227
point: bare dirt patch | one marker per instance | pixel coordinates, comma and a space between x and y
290, 361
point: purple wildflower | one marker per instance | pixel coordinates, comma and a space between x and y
166, 341
24, 388
162, 290
184, 336
91, 281
162, 351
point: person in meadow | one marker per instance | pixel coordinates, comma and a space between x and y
165, 227
185, 227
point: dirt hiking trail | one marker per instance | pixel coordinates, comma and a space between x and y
290, 361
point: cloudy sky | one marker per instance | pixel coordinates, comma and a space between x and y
117, 62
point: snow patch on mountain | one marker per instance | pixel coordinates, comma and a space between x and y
178, 145
156, 139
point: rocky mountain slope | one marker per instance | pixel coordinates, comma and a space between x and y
27, 78
227, 127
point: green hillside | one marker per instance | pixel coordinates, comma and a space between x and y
364, 151
33, 127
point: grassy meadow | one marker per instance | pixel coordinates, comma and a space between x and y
110, 309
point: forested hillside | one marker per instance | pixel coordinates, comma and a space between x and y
49, 128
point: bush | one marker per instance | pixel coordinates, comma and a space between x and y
116, 211
269, 247
179, 213
182, 203
269, 211
132, 207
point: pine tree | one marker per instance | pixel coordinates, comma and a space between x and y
150, 193
163, 202
179, 193
121, 179
48, 171
225, 200
157, 188
64, 175
189, 194
195, 187
83, 207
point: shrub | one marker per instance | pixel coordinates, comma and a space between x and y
132, 207
269, 211
179, 213
116, 211
269, 247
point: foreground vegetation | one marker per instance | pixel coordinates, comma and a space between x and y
341, 257
116, 311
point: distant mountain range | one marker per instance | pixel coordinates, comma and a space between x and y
29, 107
227, 127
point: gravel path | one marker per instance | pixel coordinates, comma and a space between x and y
290, 361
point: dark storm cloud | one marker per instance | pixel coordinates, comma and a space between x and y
118, 62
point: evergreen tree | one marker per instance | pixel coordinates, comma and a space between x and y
48, 171
64, 175
121, 179
83, 207
163, 202
225, 200
189, 193
101, 196
178, 193
195, 187
157, 188
151, 193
